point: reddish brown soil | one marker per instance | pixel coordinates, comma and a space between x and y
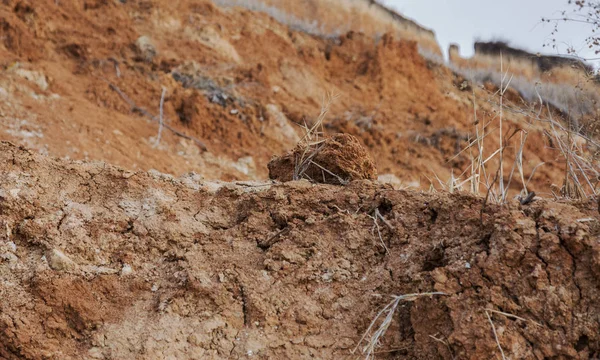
336, 160
239, 82
104, 263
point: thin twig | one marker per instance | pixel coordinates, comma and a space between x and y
495, 334
372, 341
378, 214
445, 342
513, 316
144, 112
273, 239
160, 122
376, 226
342, 181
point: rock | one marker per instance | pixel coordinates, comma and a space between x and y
9, 257
279, 127
58, 261
336, 160
35, 77
126, 270
145, 48
95, 353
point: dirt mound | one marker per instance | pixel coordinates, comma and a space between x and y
104, 263
335, 160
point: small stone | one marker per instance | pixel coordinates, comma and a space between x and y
58, 261
154, 288
439, 277
126, 270
234, 111
146, 48
9, 257
95, 353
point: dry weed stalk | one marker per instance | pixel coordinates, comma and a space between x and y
444, 342
509, 315
576, 165
160, 118
581, 170
495, 334
496, 183
376, 216
312, 143
489, 317
146, 113
372, 340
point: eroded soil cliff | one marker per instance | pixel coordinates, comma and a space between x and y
104, 263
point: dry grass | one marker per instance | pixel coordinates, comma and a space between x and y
376, 217
571, 90
312, 142
160, 117
573, 146
487, 314
508, 315
371, 339
486, 172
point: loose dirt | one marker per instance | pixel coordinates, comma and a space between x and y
103, 255
105, 263
336, 160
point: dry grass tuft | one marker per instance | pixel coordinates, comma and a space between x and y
312, 143
488, 173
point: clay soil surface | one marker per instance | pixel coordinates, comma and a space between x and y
104, 255
104, 263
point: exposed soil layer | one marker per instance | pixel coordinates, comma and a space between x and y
104, 263
336, 160
83, 80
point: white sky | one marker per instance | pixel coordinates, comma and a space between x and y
518, 21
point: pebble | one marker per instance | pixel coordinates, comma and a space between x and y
58, 261
126, 270
9, 257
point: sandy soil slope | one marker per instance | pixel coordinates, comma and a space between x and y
239, 82
104, 263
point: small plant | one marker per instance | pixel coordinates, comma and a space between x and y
581, 170
479, 173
